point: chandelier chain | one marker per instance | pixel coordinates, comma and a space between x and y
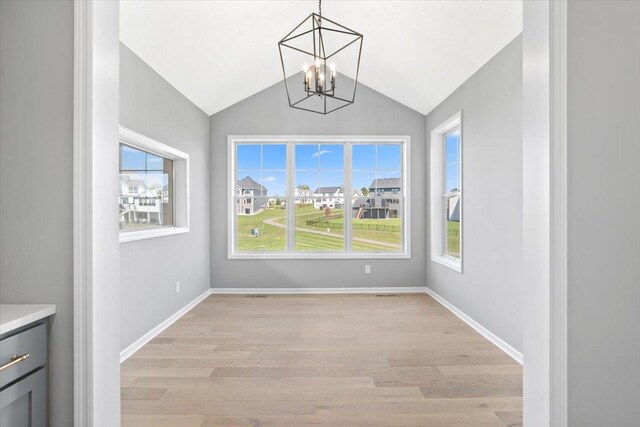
320, 8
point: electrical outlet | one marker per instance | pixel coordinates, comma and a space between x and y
367, 269
177, 287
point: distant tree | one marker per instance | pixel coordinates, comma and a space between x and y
278, 202
304, 187
365, 191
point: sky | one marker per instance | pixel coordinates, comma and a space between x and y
452, 178
138, 164
317, 165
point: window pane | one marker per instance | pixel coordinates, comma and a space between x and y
362, 182
274, 183
249, 157
260, 204
377, 225
131, 158
386, 183
452, 179
154, 162
363, 157
452, 188
320, 225
389, 157
331, 181
274, 157
452, 244
260, 227
331, 156
249, 183
307, 156
376, 220
452, 147
146, 190
307, 180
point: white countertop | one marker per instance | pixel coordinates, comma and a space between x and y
14, 316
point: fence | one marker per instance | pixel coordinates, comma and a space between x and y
322, 219
325, 222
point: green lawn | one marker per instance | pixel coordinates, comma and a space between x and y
336, 225
453, 238
274, 238
271, 238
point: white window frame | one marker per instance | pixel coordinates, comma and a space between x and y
291, 140
437, 197
180, 185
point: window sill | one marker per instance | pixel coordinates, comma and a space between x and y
132, 236
454, 264
317, 255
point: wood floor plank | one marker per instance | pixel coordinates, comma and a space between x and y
322, 360
361, 420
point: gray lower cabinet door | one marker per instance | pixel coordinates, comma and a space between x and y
24, 404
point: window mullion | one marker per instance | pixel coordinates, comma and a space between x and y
291, 221
347, 198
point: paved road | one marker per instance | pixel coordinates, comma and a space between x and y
272, 221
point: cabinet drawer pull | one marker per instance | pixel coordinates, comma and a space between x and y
15, 359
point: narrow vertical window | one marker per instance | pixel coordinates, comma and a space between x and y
261, 197
377, 197
452, 194
446, 194
319, 204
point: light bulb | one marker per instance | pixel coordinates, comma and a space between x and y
332, 66
321, 77
305, 67
317, 62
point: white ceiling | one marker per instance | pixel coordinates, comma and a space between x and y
219, 52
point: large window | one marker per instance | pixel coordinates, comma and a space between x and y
446, 193
318, 197
153, 190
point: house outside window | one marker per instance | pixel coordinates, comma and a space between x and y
299, 204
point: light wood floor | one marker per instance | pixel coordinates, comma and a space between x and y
321, 360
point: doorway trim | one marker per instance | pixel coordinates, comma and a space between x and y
82, 309
545, 212
96, 395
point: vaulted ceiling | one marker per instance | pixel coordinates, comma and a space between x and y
219, 52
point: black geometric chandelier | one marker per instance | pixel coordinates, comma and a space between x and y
311, 54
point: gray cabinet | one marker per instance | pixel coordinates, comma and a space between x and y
24, 403
23, 377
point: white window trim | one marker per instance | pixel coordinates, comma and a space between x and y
232, 140
180, 185
437, 200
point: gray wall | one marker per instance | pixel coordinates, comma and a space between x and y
36, 175
150, 268
604, 213
490, 289
267, 113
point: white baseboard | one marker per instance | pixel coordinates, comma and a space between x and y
138, 344
275, 291
512, 352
